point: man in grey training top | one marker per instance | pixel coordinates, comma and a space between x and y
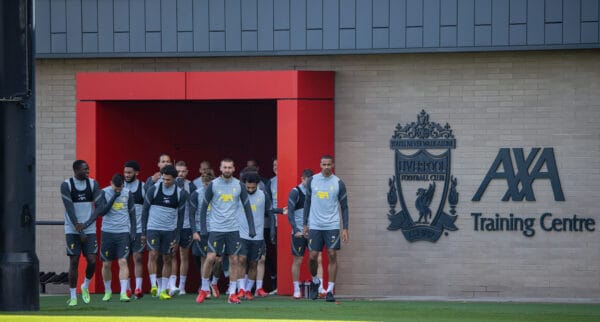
324, 191
131, 169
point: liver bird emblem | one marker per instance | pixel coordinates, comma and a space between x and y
423, 201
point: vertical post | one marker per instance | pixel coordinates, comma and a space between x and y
19, 267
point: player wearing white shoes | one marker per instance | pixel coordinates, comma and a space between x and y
131, 170
296, 218
80, 195
162, 219
224, 195
118, 232
185, 238
324, 192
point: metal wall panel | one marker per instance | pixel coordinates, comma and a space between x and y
123, 28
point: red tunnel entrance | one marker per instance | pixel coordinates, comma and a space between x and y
199, 116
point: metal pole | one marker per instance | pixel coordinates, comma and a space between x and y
19, 267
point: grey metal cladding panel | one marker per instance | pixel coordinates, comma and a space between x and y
58, 16
448, 36
185, 41
572, 23
249, 15
105, 27
89, 15
121, 13
185, 17
518, 11
347, 13
153, 40
314, 14
466, 22
217, 40
281, 9
90, 42
216, 9
554, 10
364, 24
298, 24
553, 33
414, 37
168, 18
233, 25
282, 40
249, 40
201, 25
483, 35
589, 32
431, 23
314, 39
483, 12
500, 18
43, 42
330, 24
265, 24
518, 35
381, 13
381, 37
121, 42
398, 24
448, 11
414, 13
74, 39
59, 43
535, 22
137, 30
152, 11
347, 39
589, 10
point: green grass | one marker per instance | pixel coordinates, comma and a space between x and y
53, 308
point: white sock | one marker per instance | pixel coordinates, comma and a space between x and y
246, 279
73, 293
241, 284
107, 287
164, 283
259, 284
129, 284
152, 280
330, 287
182, 279
315, 280
249, 285
321, 281
215, 280
124, 284
138, 283
296, 286
86, 283
205, 283
232, 288
172, 282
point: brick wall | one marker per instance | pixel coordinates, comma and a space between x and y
491, 100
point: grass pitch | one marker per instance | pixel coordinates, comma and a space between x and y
54, 308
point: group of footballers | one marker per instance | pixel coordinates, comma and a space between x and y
222, 217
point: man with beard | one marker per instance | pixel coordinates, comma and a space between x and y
131, 169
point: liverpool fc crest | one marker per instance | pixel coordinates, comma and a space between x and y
422, 180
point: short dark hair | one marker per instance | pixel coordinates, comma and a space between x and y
169, 170
117, 179
164, 155
253, 160
246, 171
307, 173
327, 157
251, 177
227, 160
181, 163
132, 164
77, 164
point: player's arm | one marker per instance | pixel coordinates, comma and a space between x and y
271, 213
149, 183
193, 206
65, 193
192, 187
307, 204
102, 207
180, 212
292, 200
208, 195
146, 208
343, 200
131, 211
247, 210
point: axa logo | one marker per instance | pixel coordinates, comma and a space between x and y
519, 176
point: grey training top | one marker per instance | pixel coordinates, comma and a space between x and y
296, 200
321, 205
133, 187
163, 208
80, 202
120, 217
